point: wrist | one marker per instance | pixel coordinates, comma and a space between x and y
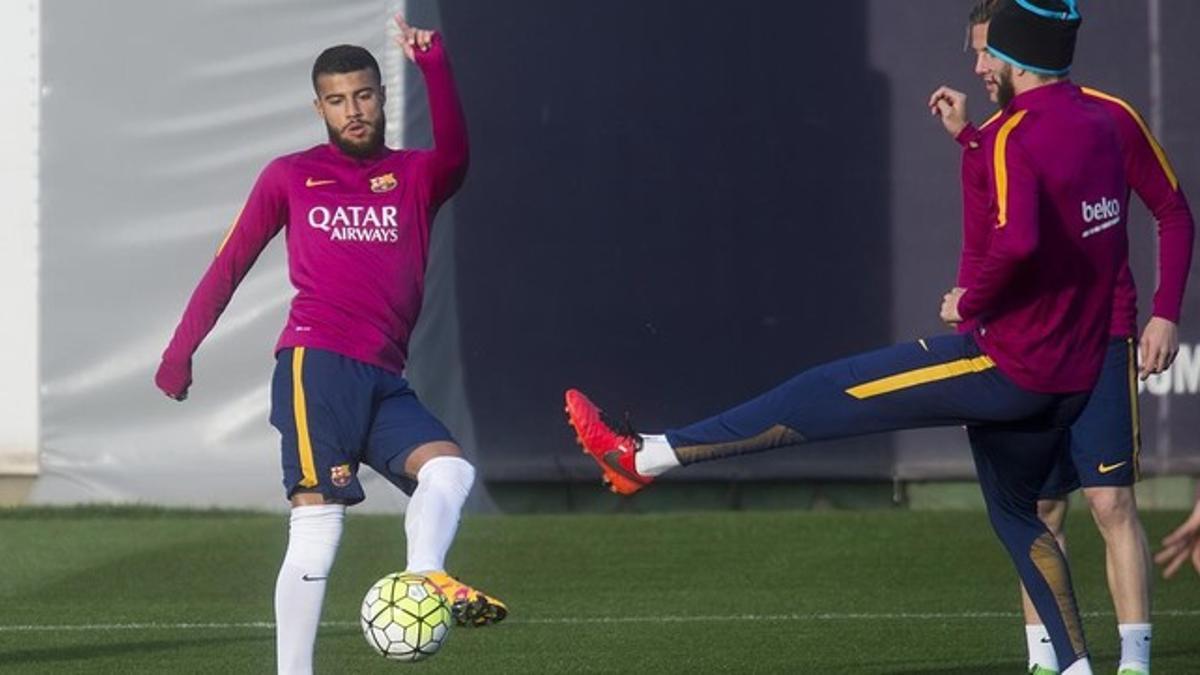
1164, 319
176, 356
966, 310
431, 54
176, 361
968, 136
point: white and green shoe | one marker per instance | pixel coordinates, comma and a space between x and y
1035, 669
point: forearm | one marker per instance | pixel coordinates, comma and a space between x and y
1156, 184
205, 306
1011, 246
995, 274
259, 221
1176, 234
445, 108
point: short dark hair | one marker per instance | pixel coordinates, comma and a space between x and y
344, 59
983, 11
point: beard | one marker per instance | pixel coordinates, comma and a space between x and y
1005, 92
359, 149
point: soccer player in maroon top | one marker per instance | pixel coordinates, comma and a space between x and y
1041, 303
1103, 456
357, 216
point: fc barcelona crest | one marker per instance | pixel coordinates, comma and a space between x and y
340, 475
384, 183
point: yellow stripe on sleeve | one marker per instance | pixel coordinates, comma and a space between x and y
1000, 166
919, 376
1158, 151
300, 409
229, 232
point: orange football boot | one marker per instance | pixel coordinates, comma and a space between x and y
613, 451
469, 606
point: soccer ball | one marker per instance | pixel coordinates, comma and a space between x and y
405, 617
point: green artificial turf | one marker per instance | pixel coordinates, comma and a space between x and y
156, 591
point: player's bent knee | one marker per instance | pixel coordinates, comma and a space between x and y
453, 473
422, 454
1112, 507
1052, 512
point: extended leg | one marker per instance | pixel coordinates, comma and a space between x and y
935, 382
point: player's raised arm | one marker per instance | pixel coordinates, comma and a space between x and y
975, 240
259, 220
974, 176
448, 159
950, 106
1015, 237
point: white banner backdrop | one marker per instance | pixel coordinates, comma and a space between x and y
18, 238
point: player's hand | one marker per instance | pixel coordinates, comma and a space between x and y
1157, 347
951, 107
950, 300
174, 378
412, 39
1180, 545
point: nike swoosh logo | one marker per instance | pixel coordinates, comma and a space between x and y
313, 182
1109, 468
312, 578
610, 460
1045, 641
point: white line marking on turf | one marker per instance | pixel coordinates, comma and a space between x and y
567, 620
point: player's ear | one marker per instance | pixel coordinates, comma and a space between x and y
317, 106
382, 94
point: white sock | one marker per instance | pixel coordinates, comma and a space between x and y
1135, 646
431, 520
1080, 667
1041, 650
313, 537
656, 456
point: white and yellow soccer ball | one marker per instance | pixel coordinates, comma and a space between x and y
405, 617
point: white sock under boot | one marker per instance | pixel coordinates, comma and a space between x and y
431, 520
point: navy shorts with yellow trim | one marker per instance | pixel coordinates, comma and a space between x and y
1106, 439
336, 413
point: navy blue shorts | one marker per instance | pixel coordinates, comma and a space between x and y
335, 413
1105, 440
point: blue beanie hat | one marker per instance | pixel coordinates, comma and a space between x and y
1037, 35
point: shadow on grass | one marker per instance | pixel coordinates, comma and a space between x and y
141, 647
1100, 662
993, 668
